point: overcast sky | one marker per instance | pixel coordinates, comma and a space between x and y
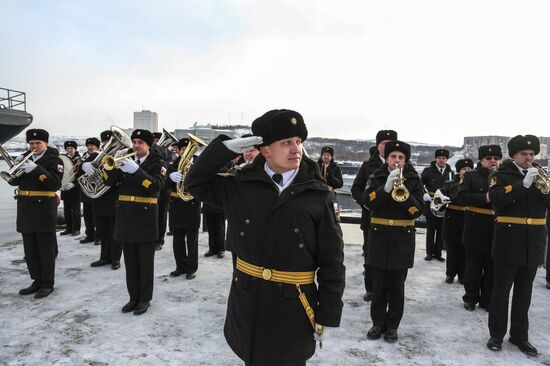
435, 71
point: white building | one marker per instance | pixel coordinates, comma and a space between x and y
146, 120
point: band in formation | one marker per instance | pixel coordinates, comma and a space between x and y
283, 225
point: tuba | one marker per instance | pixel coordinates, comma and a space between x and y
16, 167
185, 163
166, 139
439, 204
542, 180
399, 193
93, 185
69, 171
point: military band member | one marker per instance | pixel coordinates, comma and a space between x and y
453, 224
164, 196
215, 224
548, 254
71, 195
92, 149
139, 183
104, 211
185, 220
329, 170
391, 237
519, 241
477, 236
368, 167
433, 178
37, 211
281, 211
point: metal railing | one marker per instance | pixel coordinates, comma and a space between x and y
11, 99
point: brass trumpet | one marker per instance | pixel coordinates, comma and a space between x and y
399, 192
109, 162
542, 180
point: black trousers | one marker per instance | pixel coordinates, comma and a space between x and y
216, 231
478, 277
455, 259
186, 249
40, 253
388, 297
139, 259
434, 239
71, 212
89, 220
366, 267
111, 250
163, 205
522, 278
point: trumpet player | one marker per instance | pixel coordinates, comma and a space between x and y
453, 224
71, 195
394, 197
519, 195
139, 183
477, 236
37, 211
185, 220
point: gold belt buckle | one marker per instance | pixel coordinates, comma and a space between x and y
529, 221
266, 274
390, 222
132, 198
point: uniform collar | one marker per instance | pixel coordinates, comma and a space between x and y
288, 177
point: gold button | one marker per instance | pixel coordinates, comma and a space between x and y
529, 221
296, 230
132, 198
242, 233
266, 274
390, 222
301, 245
247, 221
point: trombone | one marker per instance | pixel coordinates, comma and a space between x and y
16, 167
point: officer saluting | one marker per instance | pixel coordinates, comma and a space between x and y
520, 237
391, 236
139, 183
280, 211
37, 211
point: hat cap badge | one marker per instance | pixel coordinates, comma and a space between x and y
293, 120
138, 133
34, 133
396, 144
528, 142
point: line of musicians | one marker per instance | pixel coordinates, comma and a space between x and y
492, 219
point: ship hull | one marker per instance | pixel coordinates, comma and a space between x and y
12, 122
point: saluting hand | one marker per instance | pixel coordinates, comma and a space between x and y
530, 177
176, 177
243, 144
29, 167
391, 179
128, 166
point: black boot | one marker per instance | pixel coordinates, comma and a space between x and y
43, 292
130, 306
374, 333
449, 279
524, 346
391, 335
29, 290
494, 344
470, 306
141, 308
65, 232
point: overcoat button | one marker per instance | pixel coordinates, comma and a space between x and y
296, 230
242, 233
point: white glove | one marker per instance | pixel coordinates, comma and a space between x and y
69, 186
88, 168
29, 167
120, 152
176, 177
323, 336
427, 197
128, 166
530, 177
19, 159
391, 178
243, 144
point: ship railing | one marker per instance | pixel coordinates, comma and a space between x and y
13, 99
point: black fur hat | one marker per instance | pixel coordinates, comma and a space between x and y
442, 152
373, 150
157, 135
37, 134
527, 142
383, 135
279, 124
105, 135
183, 142
489, 150
463, 163
144, 135
93, 141
396, 145
70, 144
327, 149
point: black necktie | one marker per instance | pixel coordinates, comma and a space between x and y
138, 162
441, 170
277, 178
524, 171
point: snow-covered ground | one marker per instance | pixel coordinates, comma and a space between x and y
81, 322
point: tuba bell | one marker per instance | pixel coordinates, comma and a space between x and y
399, 192
185, 163
166, 139
16, 166
439, 204
93, 185
542, 180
